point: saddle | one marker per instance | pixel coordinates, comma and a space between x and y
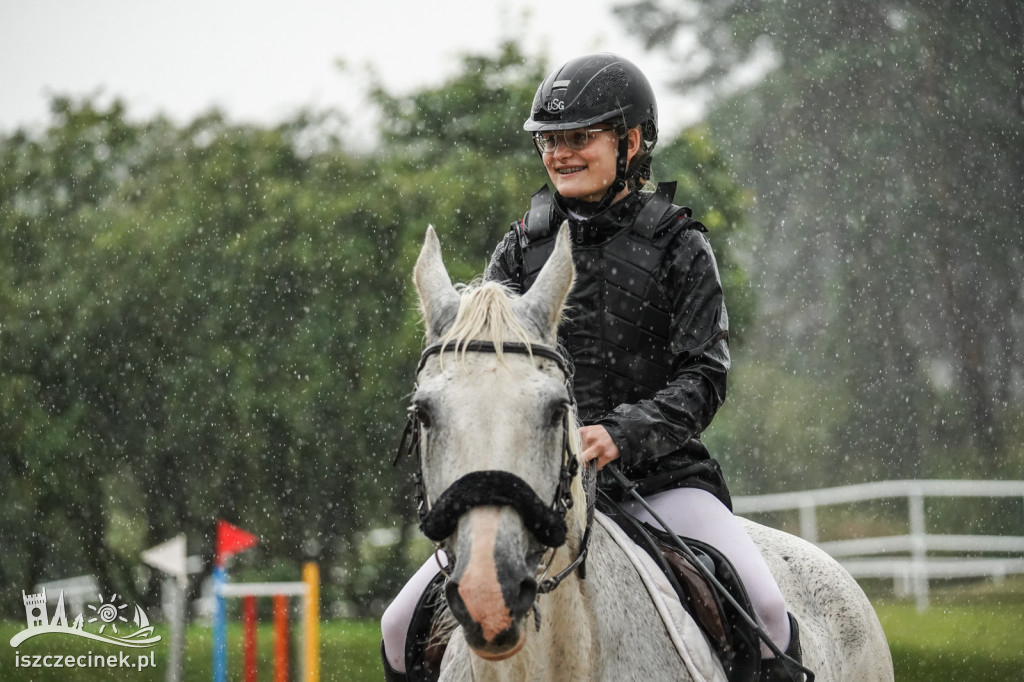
734, 641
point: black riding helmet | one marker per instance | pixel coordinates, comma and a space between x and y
599, 88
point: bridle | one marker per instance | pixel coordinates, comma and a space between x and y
546, 521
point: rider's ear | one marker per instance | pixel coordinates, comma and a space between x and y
439, 301
542, 304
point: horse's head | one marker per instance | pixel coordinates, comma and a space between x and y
493, 419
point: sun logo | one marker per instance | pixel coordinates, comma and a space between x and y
108, 614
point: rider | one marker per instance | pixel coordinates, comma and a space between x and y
647, 327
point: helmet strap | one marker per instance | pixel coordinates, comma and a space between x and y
621, 162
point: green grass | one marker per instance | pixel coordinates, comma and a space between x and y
954, 643
970, 633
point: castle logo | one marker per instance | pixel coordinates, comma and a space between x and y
103, 622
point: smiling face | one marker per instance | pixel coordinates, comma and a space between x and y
587, 173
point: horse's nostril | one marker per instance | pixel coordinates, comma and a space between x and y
451, 590
524, 600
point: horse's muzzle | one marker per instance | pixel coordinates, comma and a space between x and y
483, 636
493, 585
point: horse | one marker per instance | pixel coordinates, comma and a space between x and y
498, 443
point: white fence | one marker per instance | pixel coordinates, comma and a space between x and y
906, 559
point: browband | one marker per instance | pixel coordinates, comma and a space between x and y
536, 350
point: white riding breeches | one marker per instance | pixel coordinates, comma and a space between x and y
394, 624
697, 514
691, 513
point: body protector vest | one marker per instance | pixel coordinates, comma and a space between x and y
618, 331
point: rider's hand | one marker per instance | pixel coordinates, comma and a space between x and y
597, 444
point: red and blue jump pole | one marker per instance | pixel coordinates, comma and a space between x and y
230, 540
220, 627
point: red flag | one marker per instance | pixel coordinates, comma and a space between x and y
231, 540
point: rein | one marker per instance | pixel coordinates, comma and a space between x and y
545, 521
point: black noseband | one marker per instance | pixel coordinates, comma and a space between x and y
493, 488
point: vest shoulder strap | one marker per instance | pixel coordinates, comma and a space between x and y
647, 221
537, 223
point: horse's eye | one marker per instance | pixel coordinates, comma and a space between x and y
422, 414
556, 414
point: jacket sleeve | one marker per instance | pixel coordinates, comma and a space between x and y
696, 387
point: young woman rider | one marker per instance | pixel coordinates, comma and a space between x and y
647, 330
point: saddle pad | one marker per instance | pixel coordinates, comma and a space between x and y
686, 635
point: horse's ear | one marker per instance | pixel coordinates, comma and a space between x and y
439, 301
542, 304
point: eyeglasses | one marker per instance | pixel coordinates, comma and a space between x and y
575, 140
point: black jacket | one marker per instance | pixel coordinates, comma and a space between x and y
651, 349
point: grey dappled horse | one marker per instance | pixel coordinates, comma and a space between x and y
494, 423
